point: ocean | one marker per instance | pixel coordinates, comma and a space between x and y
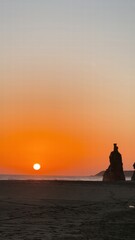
52, 178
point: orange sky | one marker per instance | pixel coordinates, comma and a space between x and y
66, 85
61, 147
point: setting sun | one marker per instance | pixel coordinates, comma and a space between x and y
36, 166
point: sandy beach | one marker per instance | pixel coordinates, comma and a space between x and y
64, 210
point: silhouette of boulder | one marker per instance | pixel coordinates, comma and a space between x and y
115, 170
133, 176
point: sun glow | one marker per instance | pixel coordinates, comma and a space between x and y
36, 166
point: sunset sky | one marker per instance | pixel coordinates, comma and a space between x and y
67, 85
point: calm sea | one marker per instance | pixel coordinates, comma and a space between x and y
58, 178
44, 177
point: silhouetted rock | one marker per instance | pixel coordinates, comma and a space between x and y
115, 170
133, 177
127, 173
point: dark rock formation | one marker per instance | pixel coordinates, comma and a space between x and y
127, 173
115, 170
133, 177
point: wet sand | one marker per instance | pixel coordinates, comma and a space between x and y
60, 210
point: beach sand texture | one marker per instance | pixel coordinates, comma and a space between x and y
64, 210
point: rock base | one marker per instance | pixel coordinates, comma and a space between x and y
133, 177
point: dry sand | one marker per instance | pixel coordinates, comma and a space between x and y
58, 210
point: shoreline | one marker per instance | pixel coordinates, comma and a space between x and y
70, 190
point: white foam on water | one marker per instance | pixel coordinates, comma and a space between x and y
131, 206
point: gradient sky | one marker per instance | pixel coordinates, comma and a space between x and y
67, 85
